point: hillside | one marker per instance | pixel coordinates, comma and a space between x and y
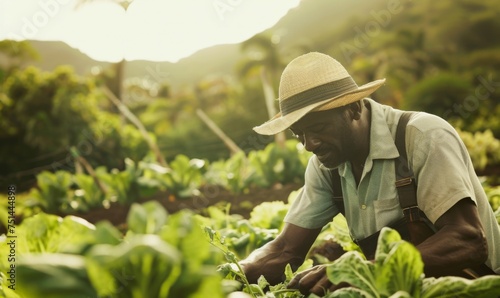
309, 26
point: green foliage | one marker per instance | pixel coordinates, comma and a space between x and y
232, 271
397, 271
53, 275
239, 235
269, 215
483, 147
338, 232
44, 233
42, 115
147, 218
283, 165
88, 195
184, 175
144, 266
493, 194
234, 174
182, 179
52, 192
450, 286
160, 256
123, 185
397, 267
262, 168
199, 278
437, 94
165, 255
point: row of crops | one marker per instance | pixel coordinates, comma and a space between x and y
196, 255
64, 192
190, 255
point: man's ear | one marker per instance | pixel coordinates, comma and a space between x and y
354, 110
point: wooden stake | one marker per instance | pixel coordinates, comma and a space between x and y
132, 118
233, 148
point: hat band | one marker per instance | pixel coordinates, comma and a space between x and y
317, 94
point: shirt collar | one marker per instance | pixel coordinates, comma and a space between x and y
382, 144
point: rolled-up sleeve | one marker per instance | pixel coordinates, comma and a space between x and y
441, 165
313, 208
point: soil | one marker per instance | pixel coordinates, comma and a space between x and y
210, 196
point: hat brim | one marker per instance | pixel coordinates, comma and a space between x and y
279, 122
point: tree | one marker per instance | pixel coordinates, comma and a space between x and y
13, 54
44, 114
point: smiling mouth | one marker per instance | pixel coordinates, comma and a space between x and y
323, 157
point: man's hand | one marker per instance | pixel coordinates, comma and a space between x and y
290, 247
314, 280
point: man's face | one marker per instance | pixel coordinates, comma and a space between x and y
326, 134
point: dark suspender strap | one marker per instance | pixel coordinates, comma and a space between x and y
338, 198
405, 180
404, 174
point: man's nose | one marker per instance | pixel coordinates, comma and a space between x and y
311, 142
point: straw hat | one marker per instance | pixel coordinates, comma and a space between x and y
310, 83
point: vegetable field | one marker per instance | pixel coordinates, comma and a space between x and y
144, 179
53, 248
192, 255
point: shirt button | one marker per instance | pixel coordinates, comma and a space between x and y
363, 206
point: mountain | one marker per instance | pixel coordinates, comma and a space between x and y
309, 26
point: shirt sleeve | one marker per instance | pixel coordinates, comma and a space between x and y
440, 162
313, 208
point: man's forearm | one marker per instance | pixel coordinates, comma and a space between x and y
459, 243
453, 253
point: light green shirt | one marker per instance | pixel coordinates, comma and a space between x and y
443, 172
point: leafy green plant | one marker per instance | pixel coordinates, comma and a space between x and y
144, 266
199, 260
234, 174
483, 148
184, 176
53, 275
275, 164
88, 195
147, 218
269, 215
397, 271
123, 185
53, 191
193, 273
232, 271
493, 194
240, 236
181, 179
46, 233
335, 232
451, 286
161, 256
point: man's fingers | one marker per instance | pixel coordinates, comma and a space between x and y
294, 283
321, 286
308, 279
339, 286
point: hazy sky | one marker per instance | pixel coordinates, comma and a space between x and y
157, 30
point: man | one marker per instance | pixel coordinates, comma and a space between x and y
355, 136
